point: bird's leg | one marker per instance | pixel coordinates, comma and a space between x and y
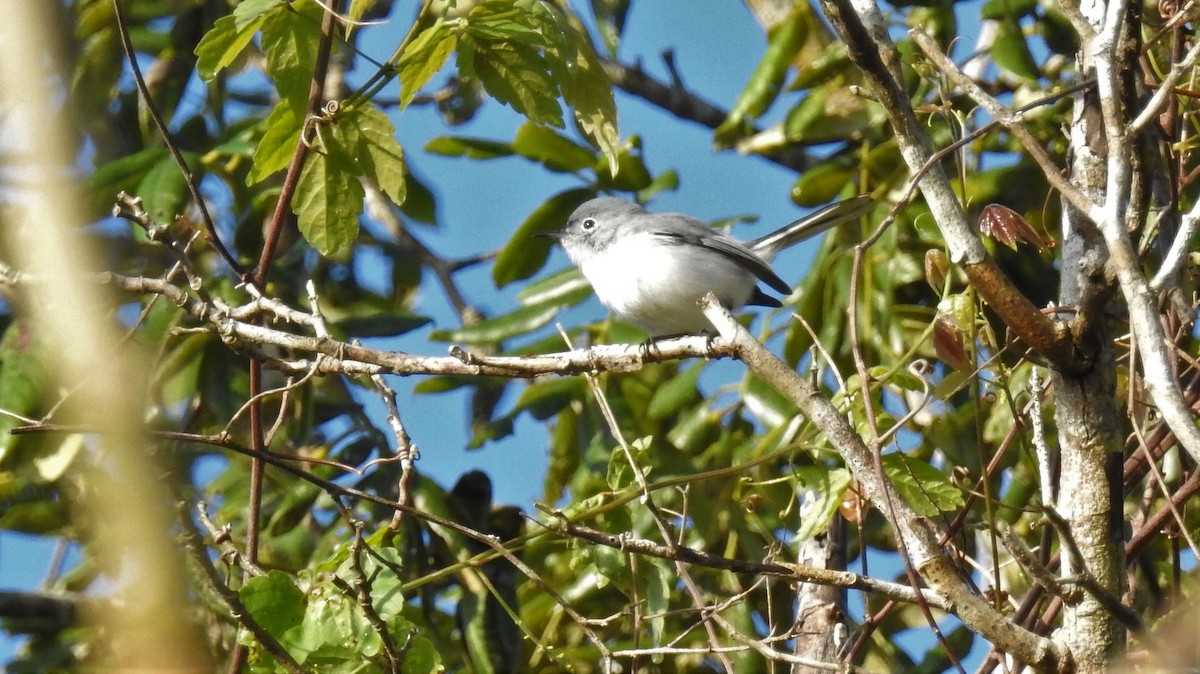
710, 338
649, 347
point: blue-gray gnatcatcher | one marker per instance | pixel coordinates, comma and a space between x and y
652, 268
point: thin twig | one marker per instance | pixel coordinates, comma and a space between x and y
406, 451
1040, 446
647, 500
188, 177
1011, 121
222, 539
360, 589
194, 545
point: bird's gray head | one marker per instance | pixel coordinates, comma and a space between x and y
596, 224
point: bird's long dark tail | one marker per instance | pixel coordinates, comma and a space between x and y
811, 225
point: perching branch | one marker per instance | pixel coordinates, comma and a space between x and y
237, 328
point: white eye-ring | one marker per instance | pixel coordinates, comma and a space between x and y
588, 223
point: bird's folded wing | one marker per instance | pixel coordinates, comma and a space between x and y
735, 252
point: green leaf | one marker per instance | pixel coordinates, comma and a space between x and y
473, 148
390, 324
1058, 33
328, 200
551, 149
525, 254
666, 181
290, 41
276, 147
98, 64
588, 91
770, 406
423, 58
500, 328
568, 285
678, 391
546, 397
177, 374
1011, 51
1007, 9
922, 486
222, 45
36, 517
420, 656
359, 8
238, 141
823, 182
766, 81
515, 74
377, 150
249, 11
900, 378
631, 175
564, 455
694, 430
610, 21
92, 18
505, 20
826, 115
820, 492
658, 578
608, 565
123, 174
420, 204
960, 308
22, 376
444, 384
274, 601
831, 66
53, 466
937, 20
164, 189
581, 78
618, 475
333, 628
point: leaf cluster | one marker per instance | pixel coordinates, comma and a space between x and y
700, 455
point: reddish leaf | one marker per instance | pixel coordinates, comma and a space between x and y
947, 342
937, 266
1008, 227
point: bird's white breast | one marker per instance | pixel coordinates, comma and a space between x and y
655, 285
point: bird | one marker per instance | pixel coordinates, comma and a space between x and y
651, 269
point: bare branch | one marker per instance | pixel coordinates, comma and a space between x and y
195, 548
210, 229
406, 451
349, 358
874, 53
1008, 120
918, 534
798, 572
1172, 263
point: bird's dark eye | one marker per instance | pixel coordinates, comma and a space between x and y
588, 224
